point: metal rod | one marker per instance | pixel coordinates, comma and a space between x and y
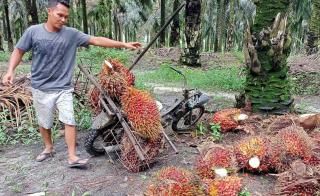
156, 37
170, 142
116, 110
104, 104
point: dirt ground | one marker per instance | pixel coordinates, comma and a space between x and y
21, 175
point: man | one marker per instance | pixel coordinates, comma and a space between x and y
53, 52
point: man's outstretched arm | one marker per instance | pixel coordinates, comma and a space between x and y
14, 61
109, 43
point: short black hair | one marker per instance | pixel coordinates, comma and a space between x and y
53, 3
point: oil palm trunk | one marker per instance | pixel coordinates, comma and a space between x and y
313, 39
32, 12
84, 16
162, 22
1, 43
175, 27
191, 54
8, 32
230, 33
266, 48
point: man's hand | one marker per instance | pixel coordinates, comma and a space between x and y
8, 78
132, 45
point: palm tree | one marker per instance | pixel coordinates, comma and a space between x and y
8, 32
19, 20
218, 23
191, 54
267, 46
84, 16
231, 25
209, 21
300, 14
162, 21
175, 26
32, 12
99, 17
314, 29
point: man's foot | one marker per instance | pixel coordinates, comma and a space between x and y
79, 163
44, 155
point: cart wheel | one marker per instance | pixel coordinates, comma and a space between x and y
187, 121
93, 142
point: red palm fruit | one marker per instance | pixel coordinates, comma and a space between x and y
173, 181
253, 148
314, 160
276, 123
114, 84
215, 158
290, 144
142, 112
94, 94
150, 149
228, 186
226, 119
118, 67
206, 183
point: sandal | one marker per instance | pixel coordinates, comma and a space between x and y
43, 156
79, 163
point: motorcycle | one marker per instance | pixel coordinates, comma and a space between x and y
183, 115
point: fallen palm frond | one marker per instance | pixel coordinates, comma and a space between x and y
300, 179
16, 99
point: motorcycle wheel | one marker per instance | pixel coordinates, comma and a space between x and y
97, 138
90, 140
186, 121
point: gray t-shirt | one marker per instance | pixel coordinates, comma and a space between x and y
53, 55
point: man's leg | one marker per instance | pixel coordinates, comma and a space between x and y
66, 115
71, 137
46, 136
44, 107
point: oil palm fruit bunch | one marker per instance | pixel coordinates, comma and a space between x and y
150, 149
112, 82
228, 186
216, 161
226, 118
276, 123
120, 68
314, 160
174, 181
142, 112
252, 153
290, 144
94, 94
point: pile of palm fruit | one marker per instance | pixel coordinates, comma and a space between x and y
281, 144
177, 181
140, 110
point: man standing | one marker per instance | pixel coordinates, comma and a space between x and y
54, 48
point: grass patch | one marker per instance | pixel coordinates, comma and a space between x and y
97, 55
305, 83
27, 131
239, 55
4, 56
222, 78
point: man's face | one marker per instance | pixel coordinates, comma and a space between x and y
58, 16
